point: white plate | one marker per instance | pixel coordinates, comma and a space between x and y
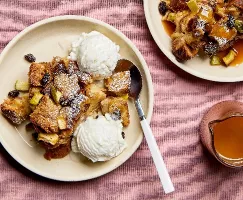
197, 66
45, 39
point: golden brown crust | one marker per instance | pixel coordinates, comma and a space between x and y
37, 71
45, 115
67, 85
16, 109
59, 152
113, 105
119, 83
77, 109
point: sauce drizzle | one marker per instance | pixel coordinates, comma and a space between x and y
169, 27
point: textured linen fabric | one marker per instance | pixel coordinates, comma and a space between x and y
180, 102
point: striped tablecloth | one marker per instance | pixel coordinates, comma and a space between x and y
180, 102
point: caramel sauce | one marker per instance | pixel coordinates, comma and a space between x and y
228, 138
169, 27
238, 46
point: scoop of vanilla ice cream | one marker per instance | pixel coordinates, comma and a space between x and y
99, 139
95, 54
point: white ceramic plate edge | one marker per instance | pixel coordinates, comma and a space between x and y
129, 42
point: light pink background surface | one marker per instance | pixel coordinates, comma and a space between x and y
180, 102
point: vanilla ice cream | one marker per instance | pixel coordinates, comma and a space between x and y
95, 54
99, 139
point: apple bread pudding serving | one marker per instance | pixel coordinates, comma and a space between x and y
205, 27
64, 102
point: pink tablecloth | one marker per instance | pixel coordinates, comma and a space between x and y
180, 101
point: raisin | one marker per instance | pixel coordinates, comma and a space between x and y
230, 22
13, 94
45, 79
211, 48
123, 135
30, 58
162, 8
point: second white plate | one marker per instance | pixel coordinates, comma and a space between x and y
197, 66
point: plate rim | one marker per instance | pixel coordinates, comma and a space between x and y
144, 66
172, 59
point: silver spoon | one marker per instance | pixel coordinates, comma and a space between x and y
135, 89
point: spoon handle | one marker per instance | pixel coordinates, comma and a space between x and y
154, 149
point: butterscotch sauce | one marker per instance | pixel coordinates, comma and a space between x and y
169, 27
228, 138
238, 46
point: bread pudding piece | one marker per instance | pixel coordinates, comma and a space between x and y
119, 83
62, 146
67, 85
70, 114
59, 152
59, 65
37, 72
84, 78
95, 95
45, 115
16, 109
117, 107
48, 138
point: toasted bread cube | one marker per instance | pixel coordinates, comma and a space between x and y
37, 72
77, 109
117, 107
96, 95
60, 151
45, 115
59, 65
51, 138
119, 83
16, 109
67, 85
